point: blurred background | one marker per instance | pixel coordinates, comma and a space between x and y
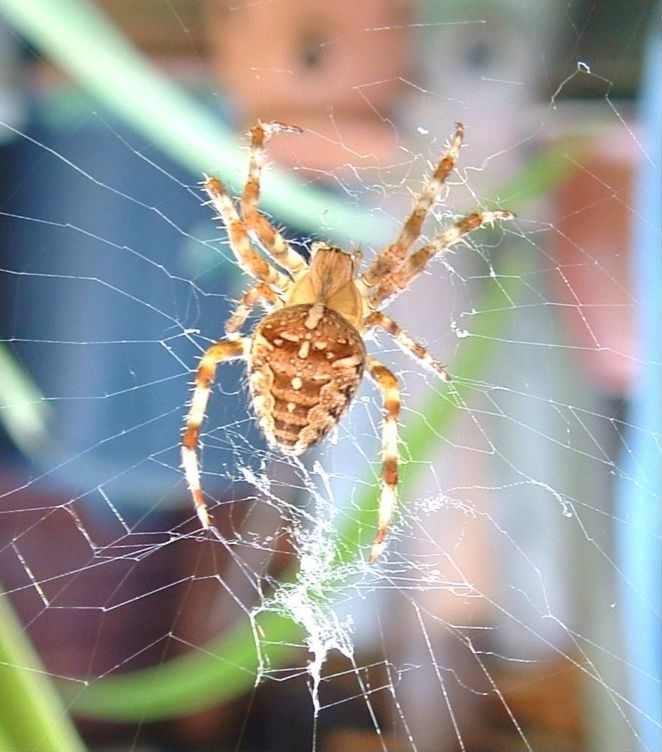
518, 604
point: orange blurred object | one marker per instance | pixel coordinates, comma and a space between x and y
593, 247
312, 64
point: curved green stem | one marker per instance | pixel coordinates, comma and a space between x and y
31, 714
23, 411
232, 664
76, 35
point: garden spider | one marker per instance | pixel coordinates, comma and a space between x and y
306, 357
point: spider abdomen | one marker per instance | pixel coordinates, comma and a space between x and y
305, 364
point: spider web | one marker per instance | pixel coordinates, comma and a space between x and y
503, 576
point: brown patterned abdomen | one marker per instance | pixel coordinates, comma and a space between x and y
305, 364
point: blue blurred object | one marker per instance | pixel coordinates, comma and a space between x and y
108, 272
640, 492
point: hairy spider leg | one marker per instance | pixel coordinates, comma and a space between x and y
274, 242
389, 387
406, 343
399, 280
392, 257
260, 292
225, 349
247, 257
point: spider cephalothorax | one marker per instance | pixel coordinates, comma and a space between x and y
306, 357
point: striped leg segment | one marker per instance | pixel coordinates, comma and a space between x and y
259, 292
217, 353
394, 255
273, 241
406, 343
247, 257
397, 281
388, 385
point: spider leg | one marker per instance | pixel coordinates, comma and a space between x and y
393, 255
259, 292
398, 280
388, 385
279, 249
247, 257
406, 343
221, 351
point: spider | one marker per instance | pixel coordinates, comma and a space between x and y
306, 356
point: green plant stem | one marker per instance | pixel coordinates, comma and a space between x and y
230, 664
78, 36
221, 670
435, 418
6, 744
31, 715
23, 411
